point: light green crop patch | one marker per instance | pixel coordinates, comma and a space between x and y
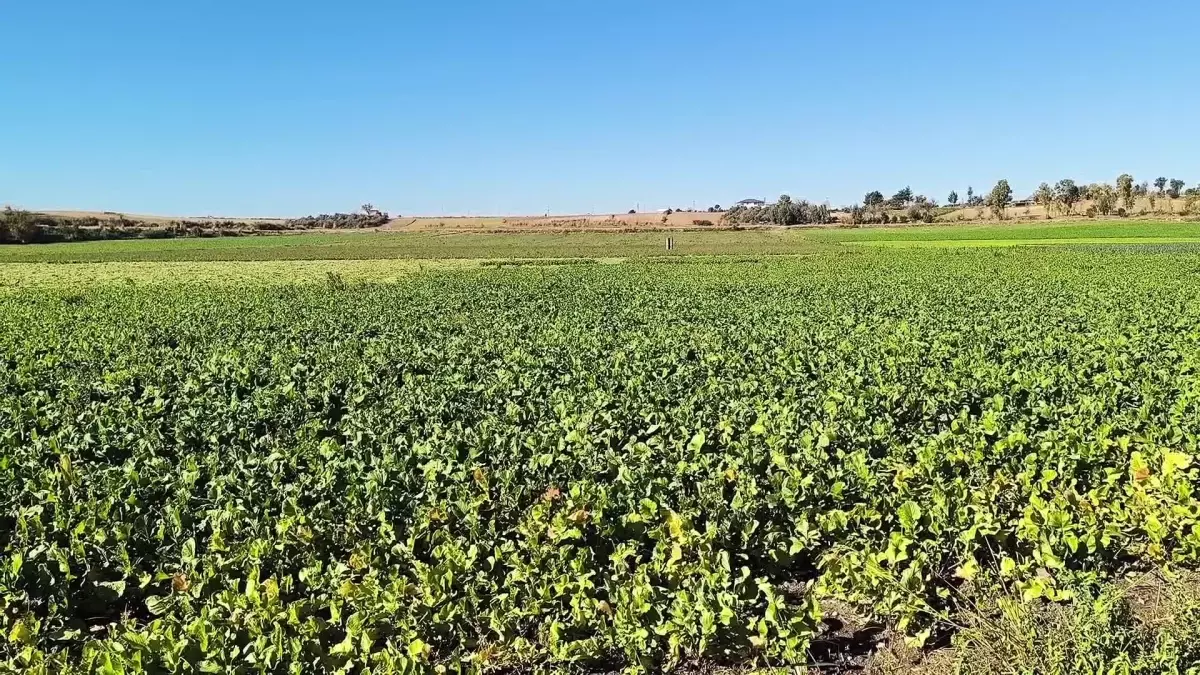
79, 276
993, 243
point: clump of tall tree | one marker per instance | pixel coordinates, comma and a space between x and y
999, 199
1125, 190
1044, 197
902, 198
785, 212
1067, 194
341, 221
19, 227
869, 214
1105, 197
922, 210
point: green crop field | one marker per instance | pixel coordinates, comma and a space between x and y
1040, 232
409, 245
593, 466
439, 246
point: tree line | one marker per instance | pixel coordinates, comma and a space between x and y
1107, 199
1064, 196
25, 227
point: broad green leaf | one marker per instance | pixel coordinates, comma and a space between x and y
910, 515
20, 633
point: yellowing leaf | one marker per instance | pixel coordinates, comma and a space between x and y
1175, 461
20, 634
969, 570
418, 649
676, 555
1138, 467
675, 525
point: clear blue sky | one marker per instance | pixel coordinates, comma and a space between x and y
266, 107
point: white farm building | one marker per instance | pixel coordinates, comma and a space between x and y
751, 203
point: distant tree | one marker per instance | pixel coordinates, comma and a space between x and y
1106, 198
902, 198
873, 198
999, 198
952, 200
817, 214
19, 227
1176, 188
1160, 184
370, 209
669, 211
1125, 190
1044, 197
973, 199
1153, 197
1141, 189
1067, 194
632, 211
922, 209
785, 211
